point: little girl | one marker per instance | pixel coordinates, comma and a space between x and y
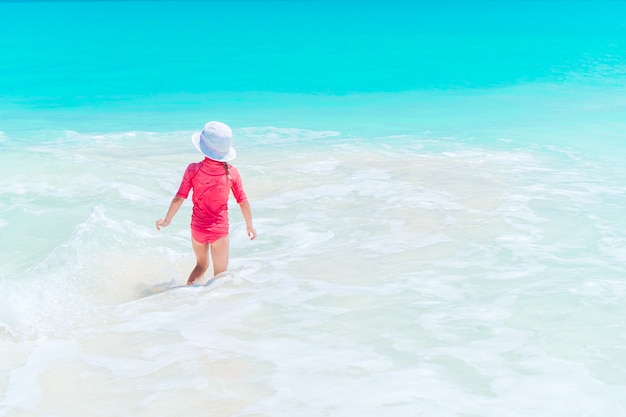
211, 181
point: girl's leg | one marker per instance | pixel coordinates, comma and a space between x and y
219, 254
202, 260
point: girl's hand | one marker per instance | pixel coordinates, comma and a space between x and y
251, 232
162, 223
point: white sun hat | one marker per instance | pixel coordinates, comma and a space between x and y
215, 142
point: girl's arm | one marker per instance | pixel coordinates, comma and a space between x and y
246, 211
171, 212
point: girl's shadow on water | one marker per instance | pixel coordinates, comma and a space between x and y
147, 291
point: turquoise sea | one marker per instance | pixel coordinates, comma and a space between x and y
439, 189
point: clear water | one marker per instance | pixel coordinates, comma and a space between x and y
438, 187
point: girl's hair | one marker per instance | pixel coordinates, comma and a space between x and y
226, 168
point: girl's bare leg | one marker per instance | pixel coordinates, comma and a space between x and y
219, 254
202, 260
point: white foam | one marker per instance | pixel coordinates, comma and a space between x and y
271, 135
318, 167
442, 280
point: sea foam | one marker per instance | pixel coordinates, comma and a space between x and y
402, 269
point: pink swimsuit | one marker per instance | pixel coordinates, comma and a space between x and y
211, 182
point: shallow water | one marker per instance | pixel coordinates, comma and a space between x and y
449, 251
384, 281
